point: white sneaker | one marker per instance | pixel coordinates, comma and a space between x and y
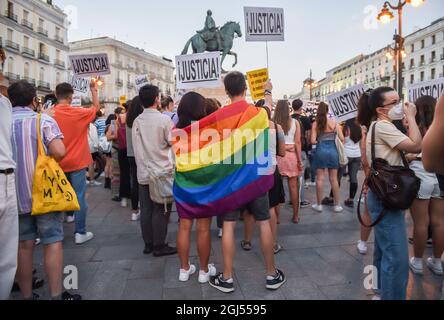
317, 208
362, 247
220, 233
124, 203
204, 277
435, 266
338, 209
83, 238
70, 219
135, 216
311, 184
95, 183
416, 266
184, 275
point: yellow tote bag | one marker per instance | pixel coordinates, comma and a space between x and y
51, 191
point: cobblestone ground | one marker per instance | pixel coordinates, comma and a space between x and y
320, 260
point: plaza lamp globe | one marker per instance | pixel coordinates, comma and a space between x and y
385, 16
415, 3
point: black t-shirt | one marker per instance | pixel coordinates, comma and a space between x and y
305, 126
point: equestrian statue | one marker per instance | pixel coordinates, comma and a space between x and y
213, 38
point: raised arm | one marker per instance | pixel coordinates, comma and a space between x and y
433, 146
269, 95
412, 145
94, 87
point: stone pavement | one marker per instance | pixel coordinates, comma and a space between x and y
320, 260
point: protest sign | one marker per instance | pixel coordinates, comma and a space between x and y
76, 100
90, 65
80, 85
141, 81
202, 70
432, 88
344, 104
310, 109
122, 100
264, 24
256, 80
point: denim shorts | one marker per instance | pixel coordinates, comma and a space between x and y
326, 156
259, 208
48, 227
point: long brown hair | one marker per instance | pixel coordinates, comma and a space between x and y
426, 112
282, 115
321, 118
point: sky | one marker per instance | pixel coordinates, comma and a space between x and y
319, 34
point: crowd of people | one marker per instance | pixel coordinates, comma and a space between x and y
136, 143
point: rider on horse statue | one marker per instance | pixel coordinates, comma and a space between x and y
211, 31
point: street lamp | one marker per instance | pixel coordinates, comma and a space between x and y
310, 83
385, 16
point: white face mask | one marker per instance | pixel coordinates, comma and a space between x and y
397, 112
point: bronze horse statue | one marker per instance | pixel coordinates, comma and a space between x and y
227, 33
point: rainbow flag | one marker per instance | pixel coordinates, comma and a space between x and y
223, 161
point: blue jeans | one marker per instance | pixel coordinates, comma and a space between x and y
78, 182
391, 251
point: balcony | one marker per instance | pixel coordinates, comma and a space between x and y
42, 31
59, 39
432, 60
129, 85
29, 80
12, 77
11, 15
119, 83
27, 24
28, 52
43, 57
59, 63
12, 45
43, 85
412, 66
422, 64
386, 78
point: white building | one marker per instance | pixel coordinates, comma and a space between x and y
126, 63
424, 61
34, 36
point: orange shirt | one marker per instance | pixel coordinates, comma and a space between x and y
74, 123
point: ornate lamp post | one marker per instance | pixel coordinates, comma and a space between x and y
385, 16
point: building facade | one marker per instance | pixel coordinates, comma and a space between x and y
423, 61
34, 36
126, 63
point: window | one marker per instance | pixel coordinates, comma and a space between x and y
412, 63
41, 23
412, 48
433, 74
422, 60
422, 76
58, 79
422, 44
433, 39
433, 56
412, 78
11, 65
26, 70
26, 42
25, 15
58, 55
42, 74
10, 9
57, 32
10, 35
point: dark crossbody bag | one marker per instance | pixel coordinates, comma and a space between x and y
396, 186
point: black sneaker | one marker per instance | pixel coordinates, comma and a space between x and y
37, 283
218, 282
148, 249
328, 201
164, 251
276, 282
305, 204
71, 297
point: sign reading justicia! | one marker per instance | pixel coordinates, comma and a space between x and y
202, 70
264, 24
90, 65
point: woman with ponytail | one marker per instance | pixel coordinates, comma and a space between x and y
378, 109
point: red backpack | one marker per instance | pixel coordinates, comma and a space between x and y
121, 135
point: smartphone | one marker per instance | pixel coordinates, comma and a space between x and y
113, 126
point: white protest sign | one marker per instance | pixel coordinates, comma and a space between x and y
76, 100
90, 64
141, 81
432, 88
80, 85
310, 109
202, 70
264, 24
344, 104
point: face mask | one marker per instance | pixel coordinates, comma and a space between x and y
397, 112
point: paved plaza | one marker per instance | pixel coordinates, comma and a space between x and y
320, 260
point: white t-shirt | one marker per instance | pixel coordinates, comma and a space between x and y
352, 149
386, 139
6, 160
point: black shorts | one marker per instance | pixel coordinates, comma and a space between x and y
259, 208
